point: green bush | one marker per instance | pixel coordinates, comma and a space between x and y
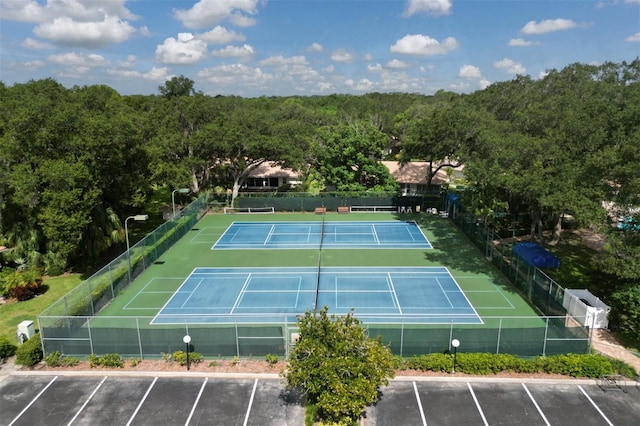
56, 359
181, 357
30, 352
431, 362
271, 359
106, 360
7, 349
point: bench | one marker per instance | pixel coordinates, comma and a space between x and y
321, 210
343, 209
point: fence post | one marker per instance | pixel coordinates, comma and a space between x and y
139, 339
89, 331
546, 332
237, 339
499, 336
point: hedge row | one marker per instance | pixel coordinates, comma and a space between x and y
574, 365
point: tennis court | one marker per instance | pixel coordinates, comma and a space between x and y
424, 294
294, 235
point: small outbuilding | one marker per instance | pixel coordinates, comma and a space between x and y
586, 308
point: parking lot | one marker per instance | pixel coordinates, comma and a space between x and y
78, 399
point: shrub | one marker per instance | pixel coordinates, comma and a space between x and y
7, 349
56, 359
30, 352
21, 285
106, 360
181, 357
235, 360
271, 359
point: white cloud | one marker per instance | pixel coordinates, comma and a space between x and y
155, 74
362, 85
185, 50
469, 71
221, 35
542, 74
634, 37
510, 66
245, 51
79, 60
315, 48
240, 20
28, 66
396, 64
85, 11
431, 7
67, 32
280, 60
342, 55
206, 13
329, 68
520, 42
374, 67
30, 43
547, 26
418, 44
232, 75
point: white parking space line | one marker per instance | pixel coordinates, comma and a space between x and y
253, 394
424, 419
535, 403
595, 406
87, 401
32, 401
484, 419
195, 404
135, 413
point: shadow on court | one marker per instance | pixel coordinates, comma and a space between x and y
28, 399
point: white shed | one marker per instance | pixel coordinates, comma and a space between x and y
586, 308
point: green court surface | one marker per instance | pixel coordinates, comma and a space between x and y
487, 290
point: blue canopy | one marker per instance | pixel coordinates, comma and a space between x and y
454, 199
535, 255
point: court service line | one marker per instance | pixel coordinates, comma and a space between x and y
87, 401
144, 398
595, 406
484, 419
271, 230
195, 403
253, 394
375, 234
192, 292
535, 403
33, 401
444, 292
241, 293
393, 291
415, 390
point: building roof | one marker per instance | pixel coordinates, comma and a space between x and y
416, 172
267, 170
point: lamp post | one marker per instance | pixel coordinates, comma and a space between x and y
187, 339
455, 343
173, 201
137, 218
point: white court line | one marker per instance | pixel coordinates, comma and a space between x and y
546, 422
33, 401
595, 406
241, 293
195, 404
375, 234
253, 394
484, 419
192, 292
87, 401
424, 419
445, 293
135, 413
266, 240
393, 292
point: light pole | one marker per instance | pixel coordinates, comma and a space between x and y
137, 218
173, 201
187, 339
455, 343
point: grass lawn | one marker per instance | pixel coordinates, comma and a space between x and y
12, 314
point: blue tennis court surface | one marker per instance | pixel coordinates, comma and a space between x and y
281, 235
425, 295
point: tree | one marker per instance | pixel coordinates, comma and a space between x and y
347, 156
337, 366
176, 87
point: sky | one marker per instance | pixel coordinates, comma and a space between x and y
252, 48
